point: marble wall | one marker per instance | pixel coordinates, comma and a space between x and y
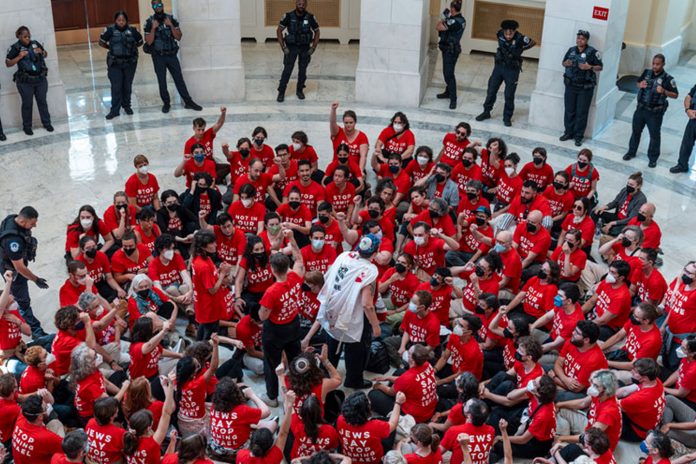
211, 51
561, 22
37, 16
393, 62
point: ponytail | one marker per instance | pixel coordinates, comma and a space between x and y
131, 442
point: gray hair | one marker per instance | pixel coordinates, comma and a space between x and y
607, 379
393, 457
137, 280
80, 368
86, 300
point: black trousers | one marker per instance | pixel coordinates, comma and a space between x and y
687, 144
162, 63
641, 118
20, 292
301, 52
449, 62
355, 356
577, 108
530, 450
29, 91
206, 330
106, 292
121, 78
500, 74
275, 339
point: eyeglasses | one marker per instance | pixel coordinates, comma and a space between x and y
157, 5
461, 134
578, 208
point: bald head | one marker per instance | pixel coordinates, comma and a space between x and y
504, 239
535, 217
648, 209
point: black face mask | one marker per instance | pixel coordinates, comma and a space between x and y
439, 178
479, 310
79, 326
173, 207
542, 274
518, 356
259, 256
203, 189
128, 251
467, 163
323, 219
244, 152
507, 334
630, 189
626, 242
258, 142
91, 254
559, 186
294, 204
582, 164
531, 228
122, 208
400, 268
433, 214
480, 221
525, 201
342, 160
471, 196
306, 288
635, 381
640, 217
478, 270
538, 161
373, 213
143, 293
633, 319
688, 280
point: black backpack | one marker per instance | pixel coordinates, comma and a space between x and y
378, 358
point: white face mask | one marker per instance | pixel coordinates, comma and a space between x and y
509, 171
420, 241
681, 354
98, 360
593, 391
422, 160
296, 146
50, 358
318, 244
168, 254
397, 127
86, 223
531, 387
246, 202
458, 330
143, 169
413, 307
610, 279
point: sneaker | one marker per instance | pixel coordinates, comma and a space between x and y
192, 105
300, 95
281, 97
677, 169
49, 128
483, 116
565, 137
191, 330
28, 131
129, 110
166, 107
273, 403
442, 95
628, 156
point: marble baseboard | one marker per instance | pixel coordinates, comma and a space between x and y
10, 110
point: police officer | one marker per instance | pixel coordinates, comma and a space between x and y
508, 64
30, 77
582, 63
656, 86
450, 28
122, 41
687, 144
17, 248
161, 35
300, 41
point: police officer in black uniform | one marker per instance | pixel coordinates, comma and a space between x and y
450, 29
30, 77
17, 248
582, 63
161, 35
300, 41
508, 64
656, 86
687, 143
122, 41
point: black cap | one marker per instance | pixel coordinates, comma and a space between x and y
585, 34
510, 24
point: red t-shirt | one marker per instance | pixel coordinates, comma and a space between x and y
148, 452
310, 195
75, 233
480, 442
105, 442
403, 289
641, 344
581, 182
309, 153
32, 379
9, 412
33, 444
206, 140
469, 243
470, 298
204, 275
265, 154
512, 268
352, 165
274, 456
340, 200
230, 248
396, 144
416, 172
232, 429
192, 404
608, 413
299, 217
87, 391
508, 188
559, 203
318, 261
538, 242
564, 324
291, 174
173, 458
432, 458
144, 194
167, 274
521, 210
418, 384
239, 166
149, 240
542, 176
111, 217
354, 146
615, 300
426, 330
191, 169
259, 279
652, 235
121, 263
69, 294
61, 348
539, 298
10, 333
651, 287
686, 378
144, 364
248, 332
247, 219
401, 180
608, 458
387, 223
442, 301
680, 304
444, 223
363, 443
543, 424
577, 258
452, 150
586, 226
465, 356
428, 257
98, 268
304, 446
461, 176
580, 365
261, 185
282, 299
489, 173
645, 407
134, 311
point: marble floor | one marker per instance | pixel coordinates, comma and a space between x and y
88, 158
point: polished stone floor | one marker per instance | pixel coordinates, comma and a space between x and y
87, 159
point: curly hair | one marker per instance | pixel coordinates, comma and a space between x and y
200, 351
138, 396
304, 374
8, 385
356, 408
253, 262
66, 317
80, 366
227, 395
33, 355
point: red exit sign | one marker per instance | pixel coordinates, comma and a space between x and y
600, 13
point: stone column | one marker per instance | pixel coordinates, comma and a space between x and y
393, 62
562, 20
211, 50
38, 17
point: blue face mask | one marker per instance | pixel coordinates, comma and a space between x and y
558, 301
644, 447
498, 248
393, 169
199, 158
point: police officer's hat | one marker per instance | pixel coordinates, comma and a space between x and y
509, 24
584, 33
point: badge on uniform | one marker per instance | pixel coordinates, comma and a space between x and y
598, 56
14, 247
